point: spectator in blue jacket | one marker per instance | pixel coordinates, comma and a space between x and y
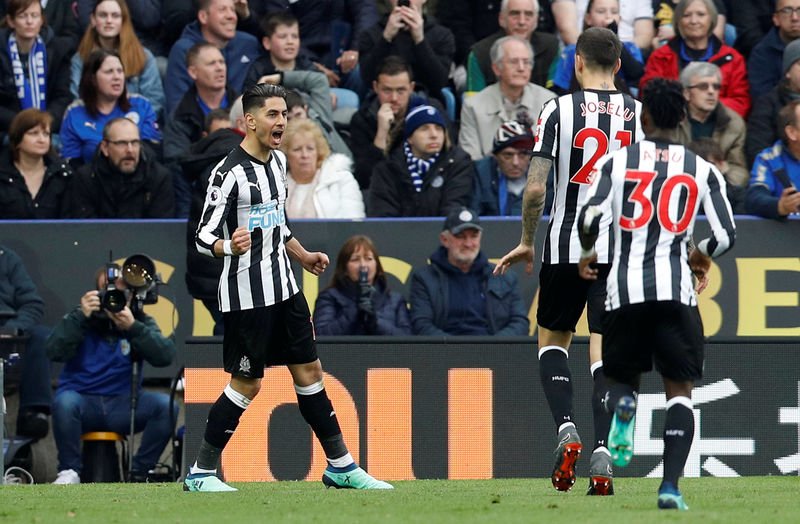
111, 28
358, 300
98, 347
500, 177
104, 97
457, 294
216, 24
776, 173
764, 64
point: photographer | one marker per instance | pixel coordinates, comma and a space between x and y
358, 301
94, 388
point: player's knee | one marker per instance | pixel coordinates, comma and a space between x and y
249, 387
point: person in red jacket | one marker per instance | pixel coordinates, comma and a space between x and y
695, 42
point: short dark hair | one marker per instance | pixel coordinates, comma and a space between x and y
664, 101
787, 117
707, 148
394, 65
87, 89
220, 113
271, 22
599, 47
194, 52
24, 122
293, 98
255, 96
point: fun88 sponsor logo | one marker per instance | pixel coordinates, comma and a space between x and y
265, 216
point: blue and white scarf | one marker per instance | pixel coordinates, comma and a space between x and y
417, 167
32, 90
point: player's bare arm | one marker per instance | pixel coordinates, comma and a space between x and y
314, 262
239, 243
532, 208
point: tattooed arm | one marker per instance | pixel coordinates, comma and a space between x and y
532, 209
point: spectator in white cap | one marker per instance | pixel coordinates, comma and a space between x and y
457, 294
500, 177
422, 175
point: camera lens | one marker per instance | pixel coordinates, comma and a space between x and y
114, 300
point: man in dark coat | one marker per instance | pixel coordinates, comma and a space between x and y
202, 272
457, 294
122, 181
406, 32
423, 175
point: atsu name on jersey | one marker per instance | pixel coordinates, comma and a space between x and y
265, 216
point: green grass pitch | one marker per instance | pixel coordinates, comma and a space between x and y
747, 500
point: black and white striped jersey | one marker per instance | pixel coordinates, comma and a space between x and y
575, 130
246, 192
653, 191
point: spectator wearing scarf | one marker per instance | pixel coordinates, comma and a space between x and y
424, 175
32, 62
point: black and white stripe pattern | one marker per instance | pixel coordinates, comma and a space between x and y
652, 192
575, 130
246, 192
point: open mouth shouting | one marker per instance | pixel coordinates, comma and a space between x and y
276, 136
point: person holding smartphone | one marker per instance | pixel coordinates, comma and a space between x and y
405, 31
358, 300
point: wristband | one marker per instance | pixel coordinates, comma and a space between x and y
227, 247
586, 253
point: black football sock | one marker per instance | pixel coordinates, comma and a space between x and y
600, 415
318, 412
223, 418
556, 382
678, 435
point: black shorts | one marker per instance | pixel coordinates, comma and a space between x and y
563, 294
267, 336
667, 333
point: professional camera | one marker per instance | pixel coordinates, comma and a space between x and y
139, 274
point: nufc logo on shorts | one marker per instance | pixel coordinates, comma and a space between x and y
244, 365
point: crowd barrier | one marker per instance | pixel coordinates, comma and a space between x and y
471, 407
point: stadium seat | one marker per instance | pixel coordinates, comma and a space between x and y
450, 103
101, 461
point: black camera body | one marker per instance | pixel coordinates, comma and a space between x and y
139, 274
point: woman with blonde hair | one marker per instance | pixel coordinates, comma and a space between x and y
110, 28
321, 184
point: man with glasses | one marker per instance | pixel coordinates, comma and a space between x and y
708, 117
500, 177
121, 181
764, 65
513, 93
521, 18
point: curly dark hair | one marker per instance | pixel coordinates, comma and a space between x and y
665, 102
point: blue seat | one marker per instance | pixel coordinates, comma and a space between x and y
450, 103
345, 97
